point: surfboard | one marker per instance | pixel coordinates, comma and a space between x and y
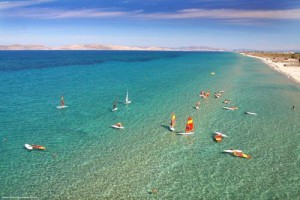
61, 107
115, 109
218, 133
27, 146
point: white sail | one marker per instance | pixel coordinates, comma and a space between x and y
127, 101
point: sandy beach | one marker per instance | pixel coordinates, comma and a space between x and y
288, 67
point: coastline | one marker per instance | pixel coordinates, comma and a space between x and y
292, 72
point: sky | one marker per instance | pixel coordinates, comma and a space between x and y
228, 24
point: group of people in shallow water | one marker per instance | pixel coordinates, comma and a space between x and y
219, 137
204, 94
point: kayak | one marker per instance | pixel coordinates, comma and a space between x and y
241, 155
38, 147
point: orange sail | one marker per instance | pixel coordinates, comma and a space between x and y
173, 120
189, 125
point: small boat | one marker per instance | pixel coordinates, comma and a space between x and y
38, 147
62, 104
118, 126
250, 113
115, 104
189, 128
28, 146
173, 122
127, 101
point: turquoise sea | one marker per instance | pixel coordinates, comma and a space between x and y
87, 159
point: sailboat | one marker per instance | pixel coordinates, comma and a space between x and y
127, 101
115, 104
173, 122
62, 103
189, 128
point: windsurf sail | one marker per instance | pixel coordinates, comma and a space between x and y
189, 125
115, 104
127, 101
173, 120
62, 101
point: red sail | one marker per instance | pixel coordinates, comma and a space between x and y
189, 125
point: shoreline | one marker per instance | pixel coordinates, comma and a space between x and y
291, 72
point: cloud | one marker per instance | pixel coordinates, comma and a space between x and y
47, 13
227, 14
19, 4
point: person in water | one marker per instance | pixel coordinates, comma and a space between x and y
293, 107
197, 104
119, 124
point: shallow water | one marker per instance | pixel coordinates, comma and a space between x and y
86, 159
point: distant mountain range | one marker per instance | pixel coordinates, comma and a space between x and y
104, 47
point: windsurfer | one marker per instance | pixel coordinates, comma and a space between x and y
62, 101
